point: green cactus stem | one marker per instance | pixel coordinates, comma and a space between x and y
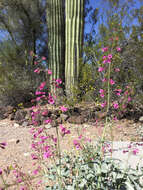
74, 10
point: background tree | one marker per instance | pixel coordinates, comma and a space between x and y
22, 22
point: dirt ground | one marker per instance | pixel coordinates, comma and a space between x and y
19, 141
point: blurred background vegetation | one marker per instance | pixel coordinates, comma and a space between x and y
23, 29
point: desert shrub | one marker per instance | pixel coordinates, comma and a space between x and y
89, 170
19, 85
85, 89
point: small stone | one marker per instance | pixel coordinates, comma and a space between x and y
59, 120
48, 126
20, 115
64, 117
76, 120
141, 119
25, 124
26, 154
16, 125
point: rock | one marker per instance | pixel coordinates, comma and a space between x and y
53, 117
59, 120
54, 123
25, 124
26, 154
48, 126
76, 119
16, 125
20, 115
64, 117
11, 116
141, 119
5, 111
57, 113
2, 116
2, 112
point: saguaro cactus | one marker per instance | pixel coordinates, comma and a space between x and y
74, 10
56, 38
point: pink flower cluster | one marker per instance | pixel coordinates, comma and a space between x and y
64, 131
101, 91
107, 59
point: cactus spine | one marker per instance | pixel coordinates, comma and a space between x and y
74, 10
55, 23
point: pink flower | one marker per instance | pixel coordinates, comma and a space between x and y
37, 70
100, 69
118, 48
104, 57
129, 99
117, 69
49, 72
110, 56
33, 145
3, 143
118, 90
104, 49
42, 85
40, 130
63, 109
115, 118
101, 91
31, 53
54, 139
48, 121
34, 157
125, 151
105, 61
47, 154
0, 171
45, 112
43, 137
51, 101
102, 95
22, 188
19, 180
104, 80
43, 58
115, 105
35, 172
108, 60
38, 98
64, 130
37, 93
135, 151
77, 144
35, 62
112, 82
46, 148
103, 104
59, 81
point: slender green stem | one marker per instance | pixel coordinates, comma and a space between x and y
59, 155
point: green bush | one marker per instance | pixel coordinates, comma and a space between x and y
88, 170
19, 85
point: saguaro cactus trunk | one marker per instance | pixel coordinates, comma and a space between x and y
56, 38
74, 10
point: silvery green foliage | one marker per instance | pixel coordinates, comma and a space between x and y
89, 171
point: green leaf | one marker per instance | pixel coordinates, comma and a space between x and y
129, 186
83, 183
